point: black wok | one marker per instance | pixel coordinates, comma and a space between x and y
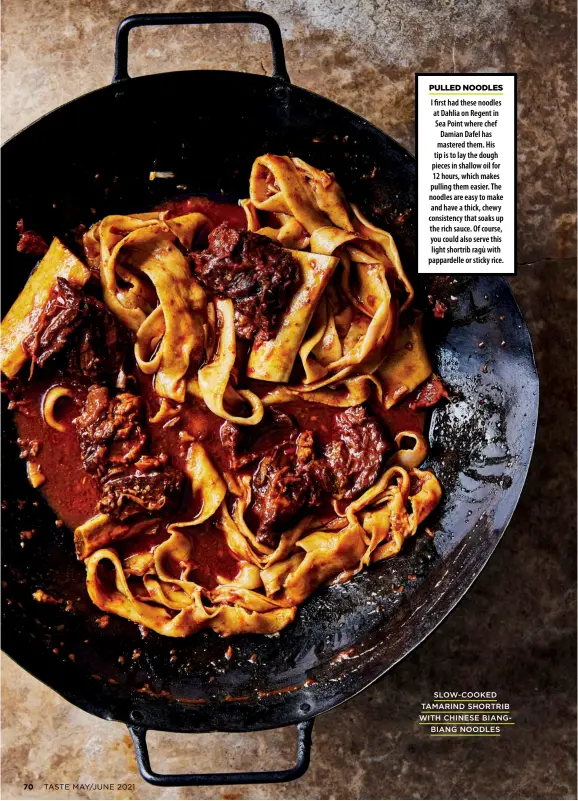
92, 157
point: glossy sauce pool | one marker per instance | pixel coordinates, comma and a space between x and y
69, 489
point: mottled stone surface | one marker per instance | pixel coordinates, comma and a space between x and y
515, 631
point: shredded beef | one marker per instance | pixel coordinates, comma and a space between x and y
111, 432
294, 477
429, 394
244, 446
79, 330
128, 495
355, 456
30, 242
285, 488
113, 444
258, 274
230, 439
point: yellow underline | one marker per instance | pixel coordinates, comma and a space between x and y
432, 94
459, 721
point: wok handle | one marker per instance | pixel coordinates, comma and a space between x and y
198, 18
139, 733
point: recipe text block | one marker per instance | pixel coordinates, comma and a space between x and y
466, 155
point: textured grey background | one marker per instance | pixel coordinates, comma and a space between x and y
515, 630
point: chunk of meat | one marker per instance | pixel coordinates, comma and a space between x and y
259, 276
244, 446
29, 241
304, 449
294, 477
230, 440
153, 492
355, 456
430, 393
113, 443
286, 485
111, 432
80, 331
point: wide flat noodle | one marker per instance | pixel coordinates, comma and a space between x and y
329, 196
49, 402
328, 239
248, 577
329, 348
207, 486
327, 554
386, 241
422, 504
214, 378
174, 611
407, 366
273, 359
102, 530
372, 339
348, 392
169, 338
413, 456
312, 367
276, 185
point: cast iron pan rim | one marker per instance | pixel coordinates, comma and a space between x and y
121, 86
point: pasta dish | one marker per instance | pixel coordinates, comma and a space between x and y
225, 403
